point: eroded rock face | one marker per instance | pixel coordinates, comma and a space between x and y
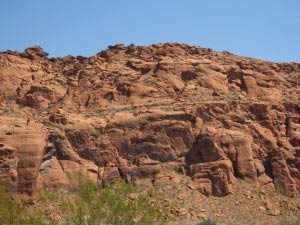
23, 143
215, 178
131, 112
9, 166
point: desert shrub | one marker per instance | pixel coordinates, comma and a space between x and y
111, 205
292, 222
207, 222
14, 212
83, 203
69, 130
95, 134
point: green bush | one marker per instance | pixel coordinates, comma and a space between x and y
207, 222
95, 134
111, 205
14, 212
82, 204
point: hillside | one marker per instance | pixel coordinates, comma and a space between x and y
189, 120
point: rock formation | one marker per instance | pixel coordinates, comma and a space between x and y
130, 112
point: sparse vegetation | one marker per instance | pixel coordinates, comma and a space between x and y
95, 134
233, 95
14, 212
88, 115
116, 60
286, 222
166, 107
69, 129
178, 92
6, 111
206, 222
83, 203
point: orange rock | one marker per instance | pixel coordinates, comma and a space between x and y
131, 112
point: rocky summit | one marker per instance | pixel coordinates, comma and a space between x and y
159, 114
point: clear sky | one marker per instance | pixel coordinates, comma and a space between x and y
266, 29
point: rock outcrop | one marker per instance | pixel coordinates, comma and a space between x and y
131, 112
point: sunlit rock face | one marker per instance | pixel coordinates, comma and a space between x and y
131, 112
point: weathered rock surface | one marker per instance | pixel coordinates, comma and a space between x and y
128, 112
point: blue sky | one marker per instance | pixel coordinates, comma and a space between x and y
266, 29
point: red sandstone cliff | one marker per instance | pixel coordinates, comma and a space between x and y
131, 112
